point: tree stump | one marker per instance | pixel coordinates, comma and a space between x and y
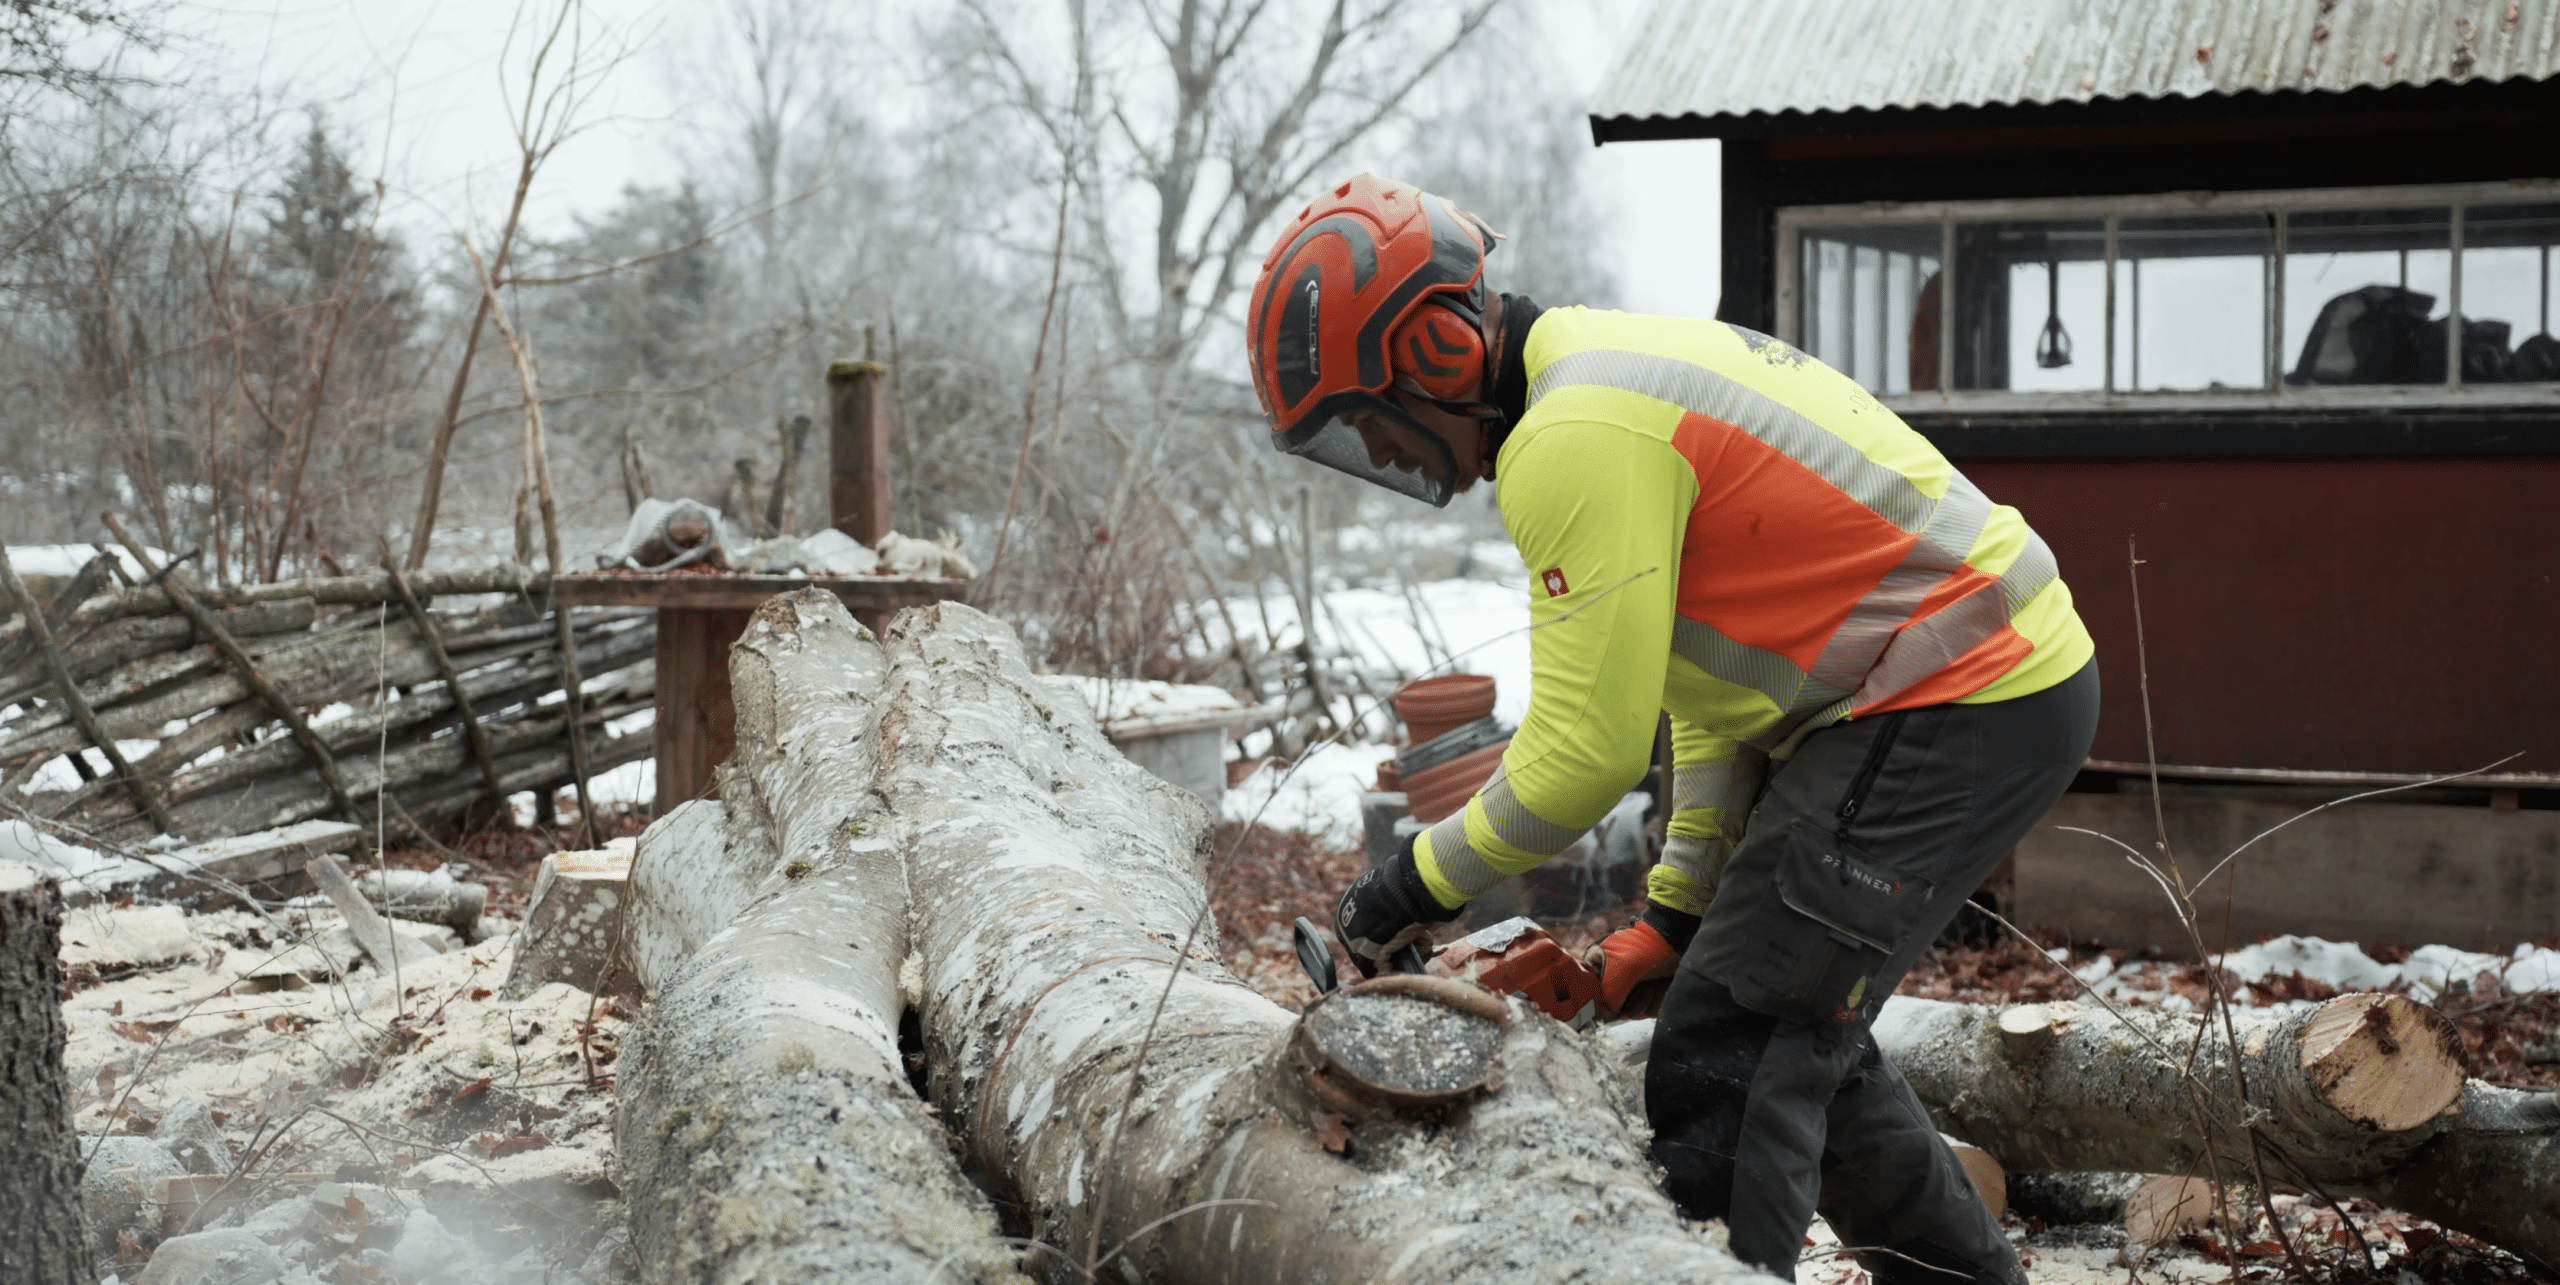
42, 1237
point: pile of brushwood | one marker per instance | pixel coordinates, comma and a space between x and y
939, 955
350, 697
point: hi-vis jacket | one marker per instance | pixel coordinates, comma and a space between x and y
1721, 527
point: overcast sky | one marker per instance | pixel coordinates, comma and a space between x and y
414, 85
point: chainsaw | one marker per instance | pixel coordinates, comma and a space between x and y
1513, 957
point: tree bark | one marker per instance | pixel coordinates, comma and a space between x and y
2362, 1095
43, 1239
1052, 884
766, 1125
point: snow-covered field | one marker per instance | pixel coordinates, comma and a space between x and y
1477, 624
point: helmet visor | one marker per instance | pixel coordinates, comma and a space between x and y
1379, 443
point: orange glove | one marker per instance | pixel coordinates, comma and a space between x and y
1627, 960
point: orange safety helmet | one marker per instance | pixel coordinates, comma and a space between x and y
1375, 285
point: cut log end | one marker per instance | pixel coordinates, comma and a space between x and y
2028, 1029
2167, 1206
1990, 1181
1400, 1041
2383, 1060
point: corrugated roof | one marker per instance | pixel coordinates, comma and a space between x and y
1731, 58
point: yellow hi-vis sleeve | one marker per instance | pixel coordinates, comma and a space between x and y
1713, 780
1597, 511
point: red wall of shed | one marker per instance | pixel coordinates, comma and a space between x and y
2375, 614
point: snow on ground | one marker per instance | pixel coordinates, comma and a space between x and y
58, 774
67, 559
1321, 795
629, 783
1471, 624
1117, 700
1483, 624
29, 846
2427, 972
474, 1128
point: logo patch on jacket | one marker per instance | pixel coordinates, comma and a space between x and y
1554, 580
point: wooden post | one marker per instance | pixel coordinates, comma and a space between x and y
858, 449
696, 726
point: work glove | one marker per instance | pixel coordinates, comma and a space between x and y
1635, 963
1385, 916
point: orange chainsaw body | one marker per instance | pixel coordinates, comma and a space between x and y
1517, 957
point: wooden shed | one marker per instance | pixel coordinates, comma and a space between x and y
2257, 291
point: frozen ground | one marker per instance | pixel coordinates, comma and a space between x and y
1320, 794
346, 1123
1118, 700
1474, 625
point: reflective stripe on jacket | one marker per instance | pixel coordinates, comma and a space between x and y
1718, 526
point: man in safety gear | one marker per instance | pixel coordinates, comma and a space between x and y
1874, 675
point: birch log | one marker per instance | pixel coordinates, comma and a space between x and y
1051, 884
2362, 1095
766, 1125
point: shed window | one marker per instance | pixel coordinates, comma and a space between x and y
2334, 296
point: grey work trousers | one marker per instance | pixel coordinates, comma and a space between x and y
1768, 1097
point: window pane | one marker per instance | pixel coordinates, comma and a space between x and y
2031, 305
1869, 302
2365, 294
2191, 302
2506, 293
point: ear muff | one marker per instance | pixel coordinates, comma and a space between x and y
1440, 354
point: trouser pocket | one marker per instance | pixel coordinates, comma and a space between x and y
1820, 950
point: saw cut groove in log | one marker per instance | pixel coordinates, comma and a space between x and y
1051, 884
766, 1126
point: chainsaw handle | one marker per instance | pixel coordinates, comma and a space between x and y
1314, 956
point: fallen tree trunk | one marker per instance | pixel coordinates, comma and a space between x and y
2362, 1095
765, 1122
1433, 1135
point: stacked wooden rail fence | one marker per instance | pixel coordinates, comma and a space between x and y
208, 713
